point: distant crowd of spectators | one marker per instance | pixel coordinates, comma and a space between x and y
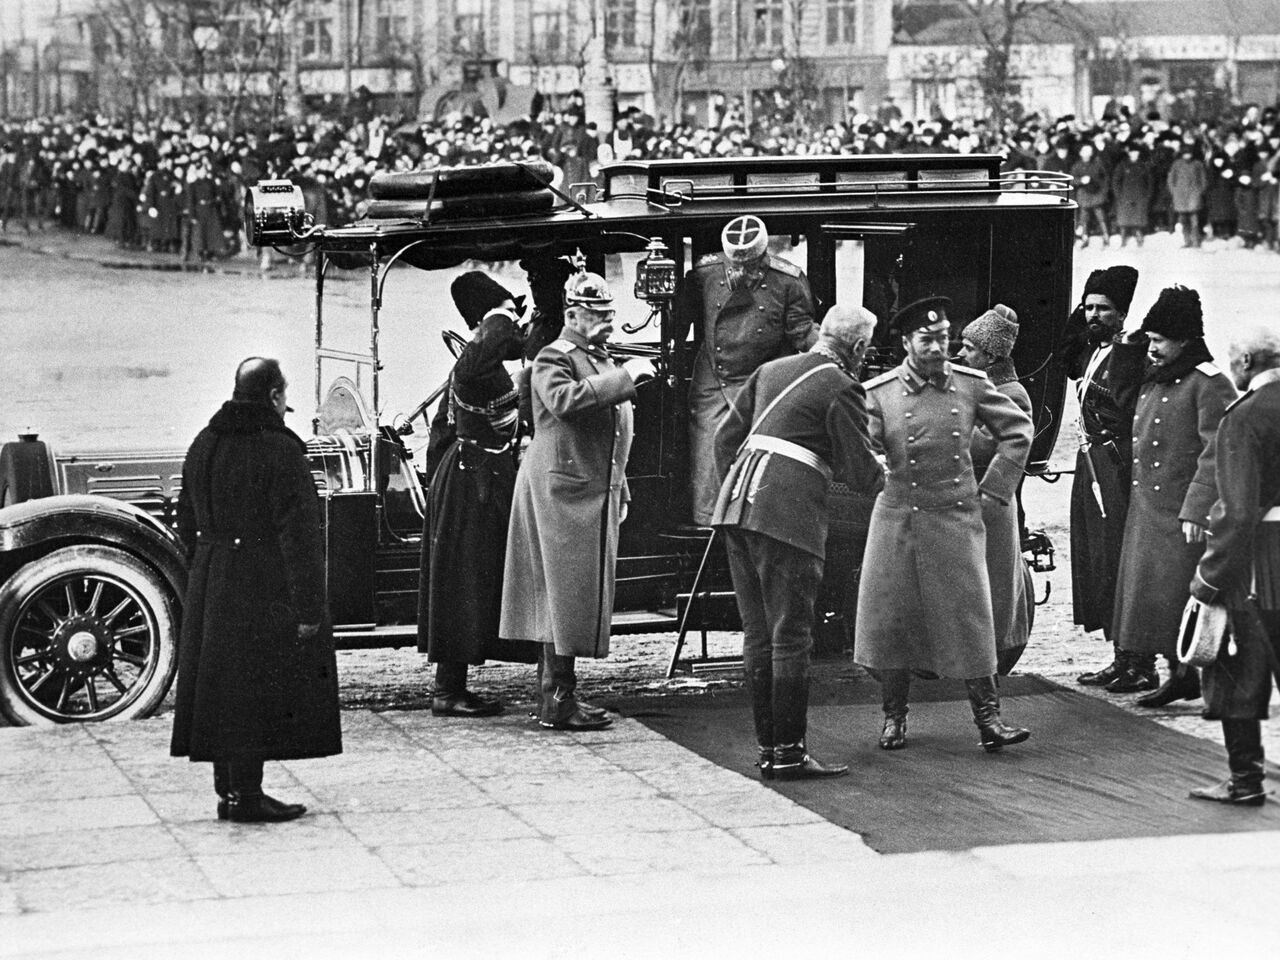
175, 184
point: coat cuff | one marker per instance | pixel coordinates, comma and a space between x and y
1203, 591
1001, 479
1197, 503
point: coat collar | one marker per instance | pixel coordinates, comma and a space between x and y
914, 381
574, 337
237, 417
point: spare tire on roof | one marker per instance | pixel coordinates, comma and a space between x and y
462, 208
506, 177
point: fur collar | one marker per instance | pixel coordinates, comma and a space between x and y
1002, 371
1194, 354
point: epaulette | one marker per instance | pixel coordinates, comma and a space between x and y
968, 371
1208, 368
563, 345
881, 380
784, 266
707, 260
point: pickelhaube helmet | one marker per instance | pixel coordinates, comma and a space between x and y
744, 239
586, 289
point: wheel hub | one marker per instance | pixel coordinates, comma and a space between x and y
82, 643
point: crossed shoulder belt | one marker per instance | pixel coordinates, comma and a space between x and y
786, 448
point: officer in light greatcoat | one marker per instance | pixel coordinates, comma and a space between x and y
749, 308
924, 601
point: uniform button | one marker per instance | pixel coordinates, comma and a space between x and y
905, 393
955, 411
1179, 380
959, 503
1135, 483
1157, 419
1142, 396
911, 439
953, 389
1164, 399
1156, 464
759, 329
955, 457
908, 415
912, 462
1135, 459
1156, 487
914, 484
916, 509
719, 349
762, 309
1155, 443
955, 433
956, 480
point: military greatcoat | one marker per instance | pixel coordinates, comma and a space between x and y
924, 600
562, 544
1173, 480
739, 330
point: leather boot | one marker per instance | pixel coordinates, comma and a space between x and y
791, 761
559, 707
451, 698
1137, 673
1100, 678
1183, 684
985, 702
1245, 758
760, 685
895, 686
246, 803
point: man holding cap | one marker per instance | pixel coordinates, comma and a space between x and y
749, 308
924, 600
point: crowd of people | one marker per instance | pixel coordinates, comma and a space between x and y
174, 184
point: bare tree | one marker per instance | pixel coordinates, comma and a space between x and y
687, 50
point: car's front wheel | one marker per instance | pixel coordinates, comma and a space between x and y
88, 632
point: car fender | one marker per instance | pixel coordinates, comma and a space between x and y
37, 526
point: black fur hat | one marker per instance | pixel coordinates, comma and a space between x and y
1176, 314
475, 294
1115, 283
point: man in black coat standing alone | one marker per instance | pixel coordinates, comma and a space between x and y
257, 679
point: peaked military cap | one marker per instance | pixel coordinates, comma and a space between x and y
919, 313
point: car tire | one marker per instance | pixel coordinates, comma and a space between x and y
87, 633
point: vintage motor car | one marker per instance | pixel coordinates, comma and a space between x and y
91, 573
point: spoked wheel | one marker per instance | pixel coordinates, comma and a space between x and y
89, 633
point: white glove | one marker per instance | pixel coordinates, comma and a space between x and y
640, 368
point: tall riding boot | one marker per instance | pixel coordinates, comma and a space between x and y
760, 683
559, 708
1183, 684
985, 702
1100, 678
451, 698
1245, 758
246, 803
791, 761
895, 686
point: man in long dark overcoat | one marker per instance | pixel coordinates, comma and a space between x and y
747, 308
257, 679
570, 498
1241, 566
1108, 366
924, 599
798, 423
1180, 403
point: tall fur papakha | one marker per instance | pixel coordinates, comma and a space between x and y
1176, 314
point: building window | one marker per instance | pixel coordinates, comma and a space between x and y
547, 30
767, 16
317, 29
934, 99
468, 27
695, 23
842, 22
619, 24
389, 23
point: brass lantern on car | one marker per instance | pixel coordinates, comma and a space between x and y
274, 213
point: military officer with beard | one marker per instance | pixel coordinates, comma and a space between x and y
1109, 366
750, 308
926, 533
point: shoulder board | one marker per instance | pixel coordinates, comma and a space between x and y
1208, 369
707, 260
563, 345
968, 371
881, 380
784, 266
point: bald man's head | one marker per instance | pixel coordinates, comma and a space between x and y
1256, 351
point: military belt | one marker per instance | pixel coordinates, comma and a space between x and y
786, 448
